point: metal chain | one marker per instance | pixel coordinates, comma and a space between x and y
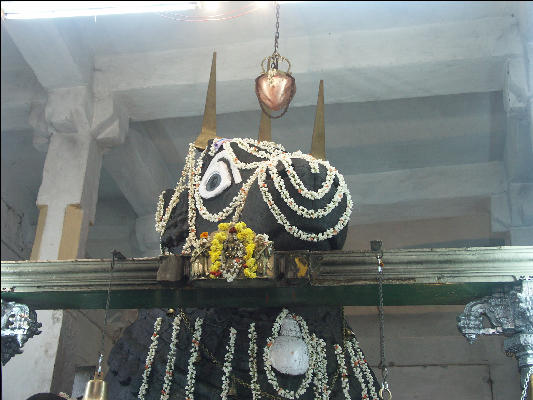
383, 363
275, 60
276, 36
526, 384
112, 266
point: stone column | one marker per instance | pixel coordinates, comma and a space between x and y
512, 211
80, 130
75, 130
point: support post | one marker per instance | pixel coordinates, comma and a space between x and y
75, 129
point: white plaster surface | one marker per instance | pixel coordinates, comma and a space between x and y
31, 372
70, 176
429, 357
415, 120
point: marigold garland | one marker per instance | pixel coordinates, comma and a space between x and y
232, 250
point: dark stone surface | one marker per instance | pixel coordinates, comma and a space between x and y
127, 358
256, 213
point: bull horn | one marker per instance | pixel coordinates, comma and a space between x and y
318, 145
265, 131
209, 124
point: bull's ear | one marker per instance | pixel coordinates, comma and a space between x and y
318, 145
209, 124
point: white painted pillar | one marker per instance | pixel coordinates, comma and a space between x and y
76, 130
512, 211
69, 191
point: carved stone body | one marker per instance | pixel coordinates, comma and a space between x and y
126, 362
257, 214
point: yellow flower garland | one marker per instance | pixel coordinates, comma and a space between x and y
245, 235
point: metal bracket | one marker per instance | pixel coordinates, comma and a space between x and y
171, 268
510, 313
19, 323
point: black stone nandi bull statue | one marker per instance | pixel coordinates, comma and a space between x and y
302, 203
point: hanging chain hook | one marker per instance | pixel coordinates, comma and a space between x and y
384, 393
115, 255
275, 55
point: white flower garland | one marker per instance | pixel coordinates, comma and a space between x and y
320, 371
360, 367
161, 218
342, 369
252, 353
293, 230
269, 155
171, 359
296, 181
271, 376
273, 149
300, 210
195, 348
228, 358
150, 359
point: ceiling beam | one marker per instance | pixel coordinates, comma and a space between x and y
357, 66
139, 172
55, 51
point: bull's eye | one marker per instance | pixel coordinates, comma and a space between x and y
216, 179
213, 182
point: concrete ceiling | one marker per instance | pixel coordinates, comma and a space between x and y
413, 93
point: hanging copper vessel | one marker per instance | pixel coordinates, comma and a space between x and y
275, 88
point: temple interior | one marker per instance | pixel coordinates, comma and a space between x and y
428, 115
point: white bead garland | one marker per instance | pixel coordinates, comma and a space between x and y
195, 348
343, 371
171, 359
228, 358
271, 376
269, 155
161, 218
360, 367
252, 362
320, 381
150, 359
317, 371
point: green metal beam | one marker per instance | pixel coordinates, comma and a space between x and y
412, 277
360, 295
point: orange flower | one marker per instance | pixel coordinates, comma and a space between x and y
204, 235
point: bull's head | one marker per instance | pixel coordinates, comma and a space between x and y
299, 201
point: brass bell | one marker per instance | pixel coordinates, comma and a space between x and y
233, 389
171, 312
96, 388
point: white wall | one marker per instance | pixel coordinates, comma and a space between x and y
429, 357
